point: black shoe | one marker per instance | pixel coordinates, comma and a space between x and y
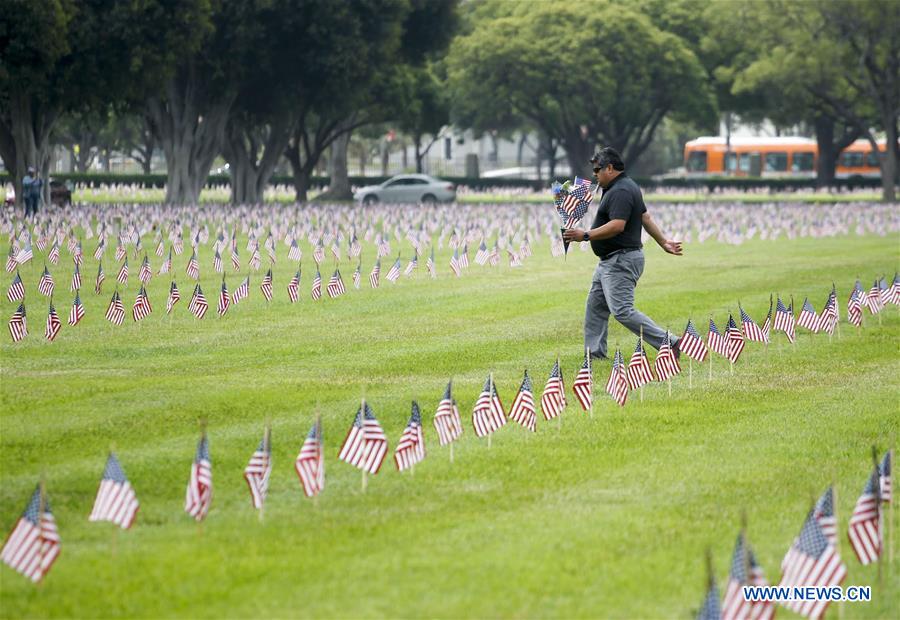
676, 349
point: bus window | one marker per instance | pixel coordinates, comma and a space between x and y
744, 162
873, 160
731, 162
852, 160
696, 161
776, 162
802, 162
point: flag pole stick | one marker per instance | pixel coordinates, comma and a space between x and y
267, 448
587, 356
641, 338
878, 508
793, 325
891, 512
562, 396
837, 527
362, 413
690, 373
41, 504
319, 427
490, 400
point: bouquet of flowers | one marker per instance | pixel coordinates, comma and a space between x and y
572, 200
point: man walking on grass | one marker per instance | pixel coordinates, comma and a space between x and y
615, 237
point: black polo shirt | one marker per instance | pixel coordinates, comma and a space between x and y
622, 200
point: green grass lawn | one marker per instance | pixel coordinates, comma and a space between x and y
607, 516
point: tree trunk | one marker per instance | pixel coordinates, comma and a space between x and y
827, 153
339, 185
417, 144
25, 141
385, 157
888, 160
190, 132
252, 154
578, 152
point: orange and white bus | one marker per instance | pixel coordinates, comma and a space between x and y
774, 157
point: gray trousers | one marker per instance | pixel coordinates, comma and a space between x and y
612, 291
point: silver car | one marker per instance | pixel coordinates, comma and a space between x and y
419, 188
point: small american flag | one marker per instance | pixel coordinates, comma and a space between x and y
751, 329
53, 323
293, 287
266, 286
16, 291
784, 320
617, 384
120, 250
639, 372
224, 299
54, 253
357, 275
193, 267
873, 300
430, 266
854, 308
217, 261
141, 308
355, 247
884, 473
488, 414
34, 543
77, 311
865, 530
745, 571
258, 471
710, 610
116, 501
145, 273
716, 341
447, 422
294, 253
376, 271
829, 317
811, 561
122, 277
319, 252
235, 258
101, 276
317, 285
310, 463
45, 285
241, 292
166, 267
101, 248
735, 340
335, 285
76, 280
198, 305
454, 263
808, 317
411, 447
25, 254
523, 409
366, 444
895, 290
174, 296
666, 364
481, 256
115, 312
583, 386
823, 511
394, 272
553, 400
691, 344
464, 257
199, 489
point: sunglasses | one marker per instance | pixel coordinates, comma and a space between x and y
597, 169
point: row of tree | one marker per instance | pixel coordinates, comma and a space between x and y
264, 81
253, 81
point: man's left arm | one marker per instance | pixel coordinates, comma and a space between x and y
669, 245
